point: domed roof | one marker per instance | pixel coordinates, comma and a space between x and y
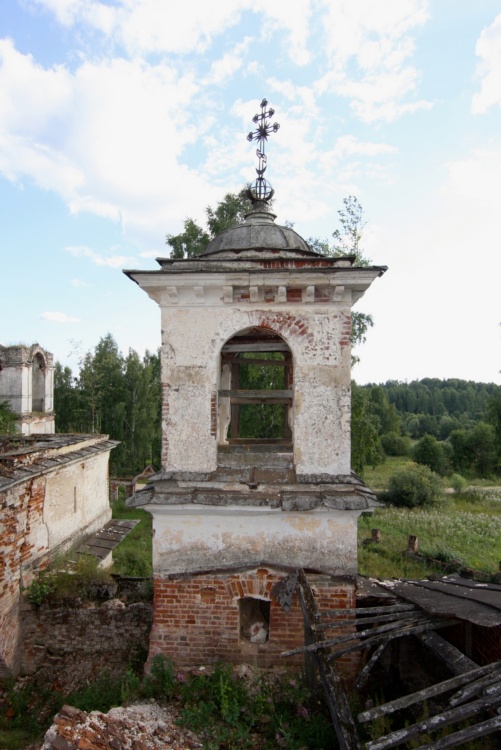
258, 235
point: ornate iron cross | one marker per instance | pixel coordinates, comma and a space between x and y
261, 190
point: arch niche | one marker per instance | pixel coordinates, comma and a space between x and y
38, 371
256, 389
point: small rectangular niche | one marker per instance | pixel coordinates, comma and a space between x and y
254, 619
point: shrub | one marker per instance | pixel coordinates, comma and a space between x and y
160, 682
429, 452
458, 483
395, 444
415, 486
41, 588
452, 559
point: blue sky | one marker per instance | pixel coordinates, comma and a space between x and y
120, 118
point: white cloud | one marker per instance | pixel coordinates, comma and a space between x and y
489, 50
112, 261
107, 137
144, 27
369, 44
349, 145
293, 17
80, 284
58, 317
230, 63
475, 185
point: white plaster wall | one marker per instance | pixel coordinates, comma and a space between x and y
76, 500
49, 390
187, 539
15, 386
192, 342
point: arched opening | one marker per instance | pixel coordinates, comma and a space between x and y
256, 395
254, 619
38, 383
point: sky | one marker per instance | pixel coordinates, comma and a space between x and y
121, 118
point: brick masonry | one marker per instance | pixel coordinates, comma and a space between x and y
109, 635
481, 644
196, 619
40, 517
22, 537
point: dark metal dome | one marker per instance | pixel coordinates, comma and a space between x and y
259, 234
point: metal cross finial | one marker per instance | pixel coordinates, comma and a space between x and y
261, 190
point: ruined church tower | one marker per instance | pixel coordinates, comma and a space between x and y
257, 325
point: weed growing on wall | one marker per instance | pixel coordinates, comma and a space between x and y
66, 580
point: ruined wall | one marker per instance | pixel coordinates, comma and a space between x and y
38, 518
77, 501
479, 643
27, 382
318, 337
23, 537
196, 619
104, 636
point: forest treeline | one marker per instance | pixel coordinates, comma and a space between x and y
116, 395
449, 425
437, 407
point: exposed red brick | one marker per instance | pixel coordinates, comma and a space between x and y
198, 621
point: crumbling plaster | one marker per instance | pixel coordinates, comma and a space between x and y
189, 540
50, 498
192, 340
27, 383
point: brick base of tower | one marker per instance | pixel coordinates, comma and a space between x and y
197, 620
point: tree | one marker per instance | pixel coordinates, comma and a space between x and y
386, 412
67, 402
366, 447
429, 452
194, 239
8, 419
142, 401
474, 450
117, 396
494, 416
415, 486
347, 241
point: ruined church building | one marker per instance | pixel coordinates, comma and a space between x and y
233, 515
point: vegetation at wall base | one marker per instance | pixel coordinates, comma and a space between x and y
265, 711
69, 580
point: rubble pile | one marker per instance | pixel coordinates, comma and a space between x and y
141, 727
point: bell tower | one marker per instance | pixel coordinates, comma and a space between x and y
256, 478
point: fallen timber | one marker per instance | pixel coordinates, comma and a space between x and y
476, 691
337, 701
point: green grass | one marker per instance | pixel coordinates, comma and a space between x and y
463, 527
17, 739
133, 556
377, 478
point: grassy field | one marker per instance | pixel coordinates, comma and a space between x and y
464, 530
